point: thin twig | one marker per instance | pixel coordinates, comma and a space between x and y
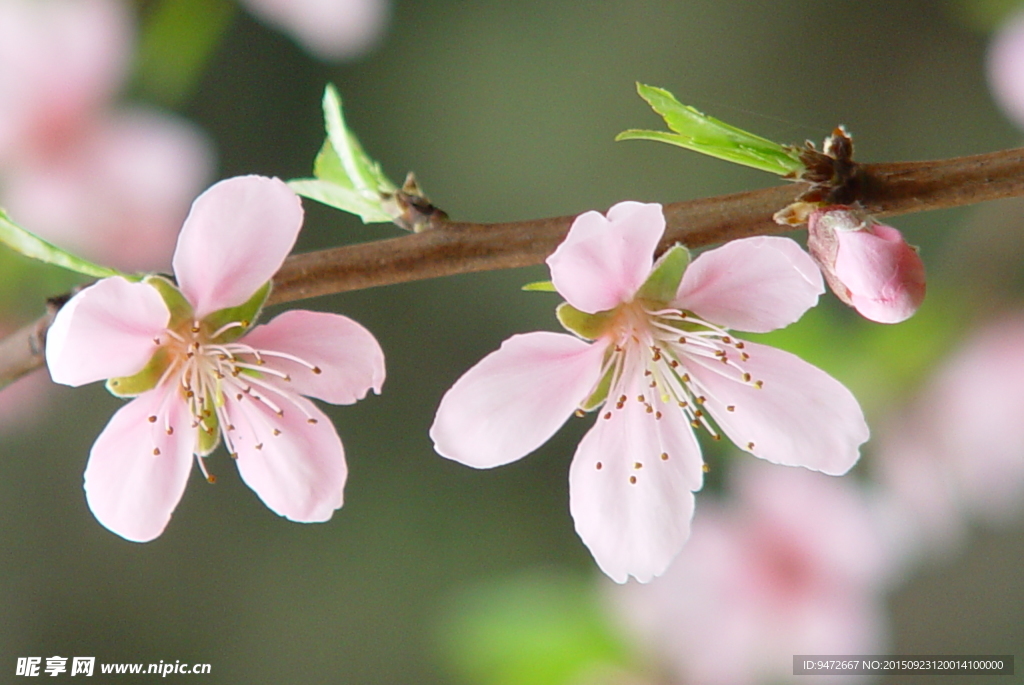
457, 247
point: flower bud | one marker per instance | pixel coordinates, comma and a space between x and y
868, 265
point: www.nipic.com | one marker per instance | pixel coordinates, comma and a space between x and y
86, 666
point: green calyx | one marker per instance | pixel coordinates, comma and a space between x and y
207, 435
589, 326
136, 384
663, 283
244, 314
177, 305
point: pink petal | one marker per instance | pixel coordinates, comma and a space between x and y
754, 284
515, 398
631, 506
883, 275
800, 417
604, 261
330, 29
234, 240
348, 356
131, 489
300, 472
105, 331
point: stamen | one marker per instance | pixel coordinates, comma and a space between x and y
152, 418
599, 466
227, 327
664, 456
632, 480
211, 479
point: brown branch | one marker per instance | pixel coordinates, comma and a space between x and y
457, 247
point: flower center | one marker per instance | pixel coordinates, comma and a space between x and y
652, 355
216, 378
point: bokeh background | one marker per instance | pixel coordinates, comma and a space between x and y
436, 573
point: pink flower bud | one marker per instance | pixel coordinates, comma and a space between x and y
868, 265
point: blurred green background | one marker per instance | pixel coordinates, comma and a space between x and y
505, 111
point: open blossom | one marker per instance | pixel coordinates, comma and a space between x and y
940, 470
112, 184
794, 564
197, 371
868, 265
654, 357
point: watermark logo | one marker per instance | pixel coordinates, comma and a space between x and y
32, 666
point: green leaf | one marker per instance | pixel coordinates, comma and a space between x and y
707, 135
540, 287
662, 284
346, 177
589, 326
34, 247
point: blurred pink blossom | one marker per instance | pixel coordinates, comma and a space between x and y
792, 565
329, 29
1006, 68
957, 453
651, 350
113, 185
868, 265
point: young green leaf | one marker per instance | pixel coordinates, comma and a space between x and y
699, 132
345, 176
32, 246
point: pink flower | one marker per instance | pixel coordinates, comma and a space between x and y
662, 364
957, 453
868, 265
1006, 68
113, 186
794, 565
329, 29
118, 193
61, 61
181, 352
